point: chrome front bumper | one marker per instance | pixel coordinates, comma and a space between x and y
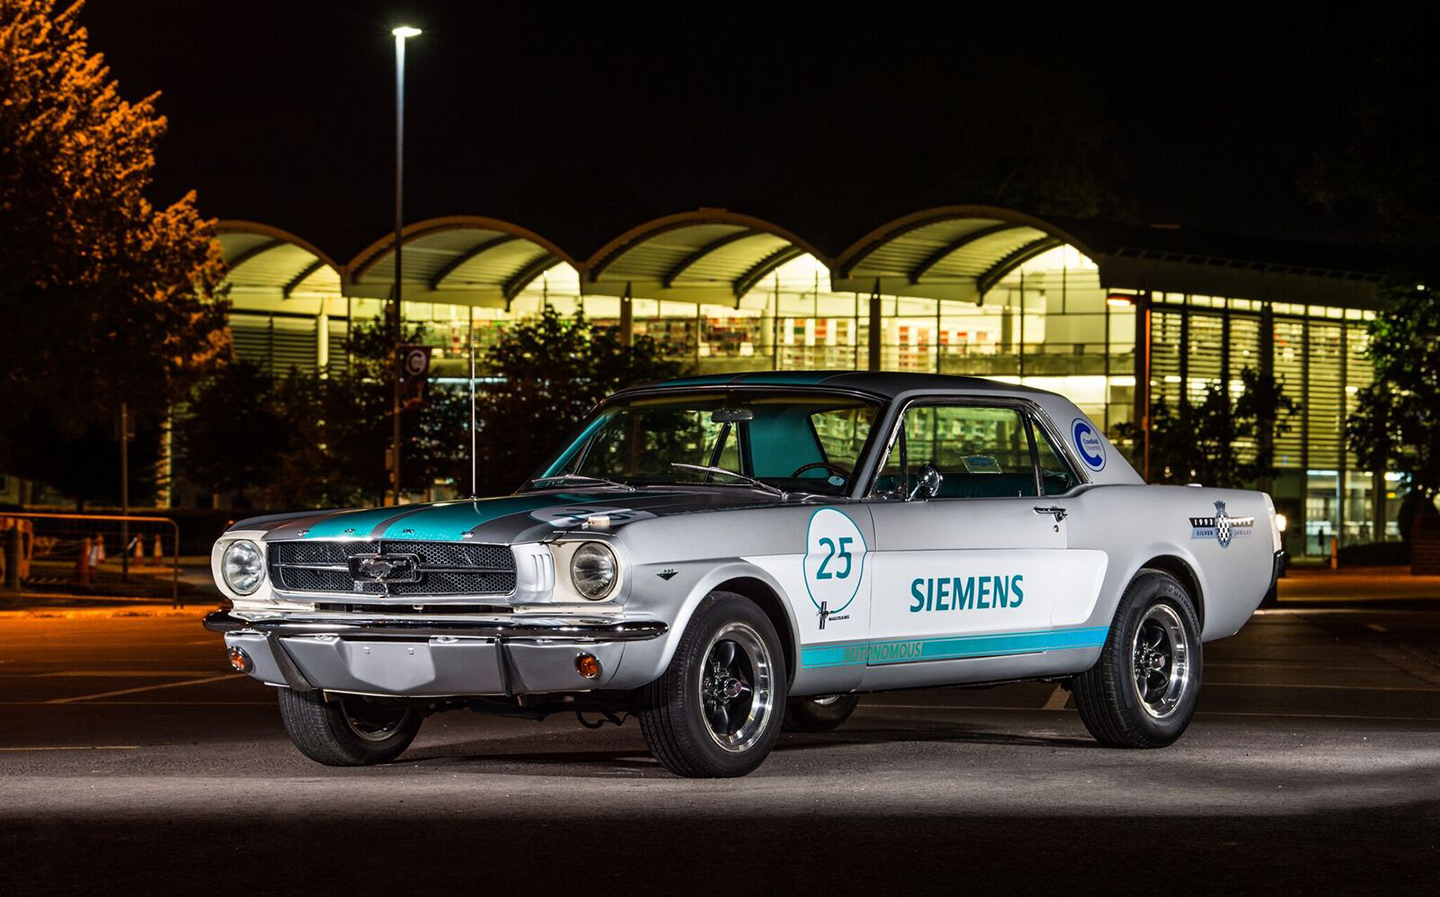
431, 658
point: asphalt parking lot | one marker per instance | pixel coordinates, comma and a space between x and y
131, 760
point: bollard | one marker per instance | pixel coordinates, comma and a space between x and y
82, 563
1334, 552
12, 558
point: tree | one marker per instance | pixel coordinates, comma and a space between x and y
1202, 442
1396, 421
105, 298
548, 373
233, 436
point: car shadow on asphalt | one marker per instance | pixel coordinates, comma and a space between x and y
628, 762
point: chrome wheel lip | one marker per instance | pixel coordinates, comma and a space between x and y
370, 731
1160, 661
760, 693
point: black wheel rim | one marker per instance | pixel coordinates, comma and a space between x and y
373, 722
736, 687
1160, 661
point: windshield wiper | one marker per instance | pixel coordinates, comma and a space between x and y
580, 478
730, 473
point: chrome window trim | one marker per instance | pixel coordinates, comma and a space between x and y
1030, 412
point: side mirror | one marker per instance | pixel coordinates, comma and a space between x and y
927, 483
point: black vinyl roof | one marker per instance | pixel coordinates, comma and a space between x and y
885, 384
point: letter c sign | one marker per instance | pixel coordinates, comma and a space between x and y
1088, 443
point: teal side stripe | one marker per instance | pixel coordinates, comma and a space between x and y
951, 647
452, 520
352, 524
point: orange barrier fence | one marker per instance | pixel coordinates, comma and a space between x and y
93, 551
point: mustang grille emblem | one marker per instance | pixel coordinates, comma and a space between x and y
385, 568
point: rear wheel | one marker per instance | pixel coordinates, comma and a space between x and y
1142, 691
822, 713
350, 731
717, 709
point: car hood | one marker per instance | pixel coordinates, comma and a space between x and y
526, 517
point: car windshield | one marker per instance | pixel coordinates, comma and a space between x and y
806, 442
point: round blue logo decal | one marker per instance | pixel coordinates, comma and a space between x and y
1088, 443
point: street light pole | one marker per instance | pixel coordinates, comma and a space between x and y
397, 326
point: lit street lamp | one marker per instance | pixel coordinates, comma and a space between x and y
397, 327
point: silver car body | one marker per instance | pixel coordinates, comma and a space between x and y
935, 592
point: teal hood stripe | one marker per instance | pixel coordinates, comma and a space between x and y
951, 647
352, 524
452, 520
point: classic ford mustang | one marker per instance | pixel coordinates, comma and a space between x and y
726, 556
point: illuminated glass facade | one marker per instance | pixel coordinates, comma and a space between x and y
1044, 320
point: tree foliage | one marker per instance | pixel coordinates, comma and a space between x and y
1397, 418
1199, 442
233, 435
105, 297
546, 374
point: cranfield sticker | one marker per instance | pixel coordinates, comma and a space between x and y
834, 563
1222, 527
1088, 443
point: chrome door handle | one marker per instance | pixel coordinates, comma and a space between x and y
1059, 513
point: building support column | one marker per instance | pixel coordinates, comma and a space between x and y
1342, 473
627, 318
1142, 380
322, 340
1265, 438
876, 325
1304, 432
1378, 515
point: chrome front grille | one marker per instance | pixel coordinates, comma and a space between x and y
442, 568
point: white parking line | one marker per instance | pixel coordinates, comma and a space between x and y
971, 708
1376, 626
1214, 684
131, 691
78, 747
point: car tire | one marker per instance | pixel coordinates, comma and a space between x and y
717, 709
349, 731
1142, 691
822, 713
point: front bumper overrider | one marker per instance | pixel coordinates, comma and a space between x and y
431, 658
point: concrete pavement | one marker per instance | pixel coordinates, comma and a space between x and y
131, 759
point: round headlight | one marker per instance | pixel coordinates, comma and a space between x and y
243, 566
593, 570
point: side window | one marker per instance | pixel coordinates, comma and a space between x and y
1058, 475
981, 452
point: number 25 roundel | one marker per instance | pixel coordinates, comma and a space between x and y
834, 560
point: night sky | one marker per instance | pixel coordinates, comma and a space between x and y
581, 121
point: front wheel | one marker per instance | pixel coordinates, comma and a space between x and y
1142, 691
716, 710
351, 731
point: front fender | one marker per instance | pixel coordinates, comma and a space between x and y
674, 601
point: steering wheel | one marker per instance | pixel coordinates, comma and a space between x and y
827, 465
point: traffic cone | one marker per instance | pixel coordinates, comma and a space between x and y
82, 563
100, 550
159, 548
139, 548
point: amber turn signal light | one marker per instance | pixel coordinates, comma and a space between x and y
587, 665
240, 660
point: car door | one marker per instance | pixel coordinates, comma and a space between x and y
980, 568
